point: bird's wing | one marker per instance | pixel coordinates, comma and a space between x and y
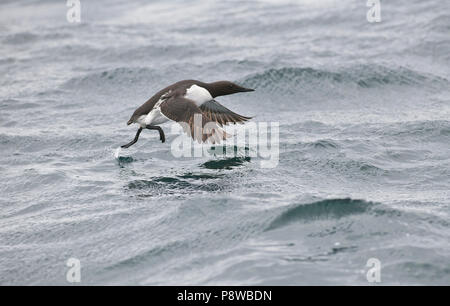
220, 114
192, 119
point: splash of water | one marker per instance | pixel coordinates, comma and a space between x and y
117, 152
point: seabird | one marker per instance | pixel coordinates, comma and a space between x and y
185, 101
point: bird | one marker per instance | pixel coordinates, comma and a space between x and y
184, 102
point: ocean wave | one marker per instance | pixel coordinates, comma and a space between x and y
200, 176
440, 24
364, 76
323, 144
326, 209
149, 256
282, 81
169, 186
423, 128
14, 104
29, 37
405, 130
331, 161
225, 164
112, 77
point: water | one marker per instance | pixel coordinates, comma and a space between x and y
364, 169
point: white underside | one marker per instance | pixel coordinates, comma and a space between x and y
195, 93
155, 117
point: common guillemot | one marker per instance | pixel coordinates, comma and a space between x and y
182, 102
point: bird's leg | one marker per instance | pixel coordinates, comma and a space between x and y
162, 137
134, 140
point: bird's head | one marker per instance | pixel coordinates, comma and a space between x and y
223, 88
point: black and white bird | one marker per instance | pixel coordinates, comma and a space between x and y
184, 101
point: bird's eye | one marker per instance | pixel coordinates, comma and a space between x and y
230, 86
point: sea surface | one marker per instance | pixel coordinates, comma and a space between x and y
364, 144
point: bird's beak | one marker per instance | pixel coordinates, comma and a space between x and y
243, 89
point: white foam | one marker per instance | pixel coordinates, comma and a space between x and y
117, 152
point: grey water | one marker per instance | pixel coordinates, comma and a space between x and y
364, 144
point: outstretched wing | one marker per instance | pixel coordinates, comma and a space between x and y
192, 119
220, 114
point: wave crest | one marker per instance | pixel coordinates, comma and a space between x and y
364, 76
326, 209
